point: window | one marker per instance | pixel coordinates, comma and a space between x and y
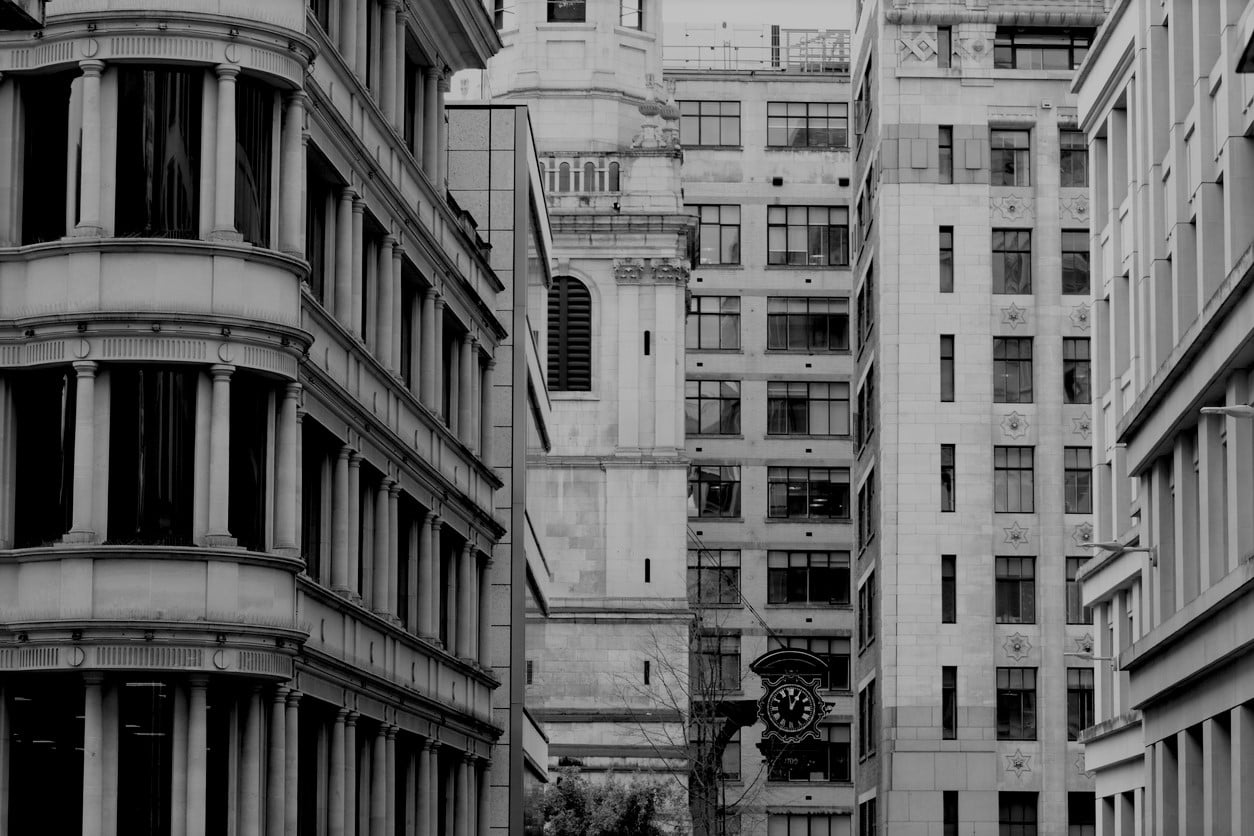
719, 234
1073, 159
866, 611
1008, 158
631, 14
502, 17
705, 734
1079, 701
867, 821
1023, 48
802, 824
567, 11
949, 702
796, 408
1078, 480
48, 156
1016, 703
1075, 261
807, 492
709, 123
714, 576
1012, 261
713, 322
1077, 613
1016, 814
254, 138
947, 368
832, 650
805, 577
944, 47
949, 487
949, 589
1016, 590
570, 336
1076, 371
866, 308
713, 490
1081, 814
946, 259
945, 141
712, 407
158, 154
717, 662
866, 407
807, 125
799, 323
825, 759
868, 513
816, 236
1012, 369
1013, 480
867, 737
43, 444
949, 814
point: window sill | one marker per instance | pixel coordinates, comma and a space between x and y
820, 782
808, 437
777, 148
566, 26
716, 436
788, 605
687, 147
574, 396
810, 520
806, 266
716, 519
715, 350
822, 352
720, 266
712, 606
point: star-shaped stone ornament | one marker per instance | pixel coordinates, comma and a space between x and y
1014, 425
1084, 644
1017, 646
1080, 317
1082, 534
1082, 425
1016, 535
1014, 316
1018, 763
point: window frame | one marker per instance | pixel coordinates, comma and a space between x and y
949, 478
824, 753
717, 223
577, 11
1012, 370
1077, 613
947, 368
725, 112
1010, 157
629, 10
1075, 261
724, 565
1012, 246
945, 154
791, 406
949, 702
949, 589
729, 418
1073, 160
868, 741
1015, 474
945, 259
1012, 42
718, 646
1014, 584
814, 496
813, 124
840, 665
1077, 372
1081, 706
700, 321
804, 565
826, 237
569, 338
806, 314
1077, 471
1017, 814
725, 482
1016, 703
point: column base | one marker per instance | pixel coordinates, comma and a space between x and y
434, 641
221, 541
78, 538
86, 231
226, 235
286, 551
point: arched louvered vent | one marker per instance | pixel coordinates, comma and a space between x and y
570, 336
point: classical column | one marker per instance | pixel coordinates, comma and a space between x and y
178, 761
343, 307
379, 595
471, 599
350, 774
449, 583
363, 43
378, 784
462, 797
431, 118
465, 388
1241, 749
387, 61
384, 303
298, 492
437, 359
224, 166
339, 521
485, 413
89, 192
389, 781
426, 377
220, 455
336, 803
291, 766
441, 140
485, 599
250, 768
398, 254
354, 525
412, 548
394, 572
427, 814
348, 32
197, 755
398, 102
472, 430
110, 731
359, 213
411, 794
292, 175
93, 754
1216, 777
428, 554
415, 345
481, 820
463, 600
4, 762
8, 482
286, 480
276, 765
84, 452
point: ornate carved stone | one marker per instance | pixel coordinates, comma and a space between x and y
1018, 763
1014, 425
628, 272
1014, 316
1017, 535
1017, 646
916, 45
670, 273
1082, 426
1074, 209
1080, 317
1082, 534
1012, 207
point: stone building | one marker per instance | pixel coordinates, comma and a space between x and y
768, 392
263, 420
1166, 109
972, 476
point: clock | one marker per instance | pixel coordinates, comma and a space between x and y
790, 707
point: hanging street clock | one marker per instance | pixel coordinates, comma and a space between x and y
791, 708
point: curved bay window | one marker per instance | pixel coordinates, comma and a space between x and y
158, 161
251, 421
254, 150
44, 402
570, 336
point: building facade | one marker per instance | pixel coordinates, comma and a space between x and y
973, 328
768, 409
264, 417
1165, 105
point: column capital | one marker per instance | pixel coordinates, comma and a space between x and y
359, 204
346, 452
293, 390
398, 248
390, 731
431, 73
91, 67
354, 459
394, 488
430, 744
444, 82
296, 97
280, 695
198, 682
226, 71
394, 5
386, 483
388, 240
351, 718
438, 301
293, 697
436, 521
93, 677
348, 193
469, 758
86, 368
221, 371
341, 716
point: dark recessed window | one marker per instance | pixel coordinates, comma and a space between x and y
567, 11
1079, 701
1013, 480
946, 259
1075, 261
570, 336
947, 368
807, 324
949, 479
46, 155
807, 125
1078, 480
713, 322
43, 444
1016, 703
713, 490
807, 577
254, 153
1077, 613
1012, 261
834, 650
714, 576
949, 589
826, 759
945, 141
1073, 159
1024, 48
801, 408
1012, 370
1076, 371
949, 702
816, 236
1016, 590
708, 122
1008, 158
807, 492
719, 232
712, 407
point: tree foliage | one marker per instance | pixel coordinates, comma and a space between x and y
571, 805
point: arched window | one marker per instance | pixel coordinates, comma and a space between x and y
589, 177
570, 336
614, 186
563, 177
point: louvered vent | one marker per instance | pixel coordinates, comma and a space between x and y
570, 336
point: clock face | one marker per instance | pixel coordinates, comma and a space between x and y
791, 707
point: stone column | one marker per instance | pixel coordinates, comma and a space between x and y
431, 118
110, 732
197, 755
224, 166
84, 453
298, 499
359, 213
348, 33
291, 765
485, 598
286, 511
427, 815
220, 456
276, 763
378, 784
387, 62
398, 269
363, 43
179, 736
336, 815
426, 377
413, 549
379, 595
93, 755
472, 431
4, 761
292, 175
339, 522
354, 525
1240, 434
437, 358
428, 555
8, 479
415, 345
389, 782
394, 573
1216, 777
465, 389
384, 305
343, 304
350, 774
1165, 792
462, 796
472, 605
481, 820
463, 600
89, 222
250, 769
485, 414
441, 140
1241, 747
